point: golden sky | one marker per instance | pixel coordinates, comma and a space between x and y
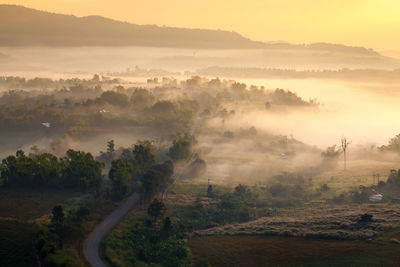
369, 23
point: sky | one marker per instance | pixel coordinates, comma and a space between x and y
369, 23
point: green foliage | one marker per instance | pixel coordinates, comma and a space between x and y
393, 145
142, 98
58, 215
80, 169
113, 98
156, 209
120, 178
157, 179
285, 97
359, 195
365, 218
181, 148
142, 244
37, 170
143, 152
77, 170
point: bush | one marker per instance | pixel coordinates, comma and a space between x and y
365, 218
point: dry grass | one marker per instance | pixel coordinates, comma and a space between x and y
359, 172
327, 222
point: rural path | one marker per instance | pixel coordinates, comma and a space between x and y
92, 244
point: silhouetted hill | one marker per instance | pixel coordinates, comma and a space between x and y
21, 26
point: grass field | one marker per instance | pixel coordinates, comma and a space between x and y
359, 172
30, 203
286, 251
16, 243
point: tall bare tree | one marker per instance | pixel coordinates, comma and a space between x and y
345, 144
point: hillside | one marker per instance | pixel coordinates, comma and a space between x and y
20, 26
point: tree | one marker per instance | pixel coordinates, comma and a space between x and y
142, 98
166, 228
181, 148
113, 98
156, 209
111, 149
157, 179
143, 152
77, 165
82, 213
345, 144
331, 152
210, 192
35, 170
108, 156
393, 145
120, 179
58, 215
242, 190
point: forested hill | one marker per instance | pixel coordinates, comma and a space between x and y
20, 26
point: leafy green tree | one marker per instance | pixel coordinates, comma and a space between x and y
181, 148
157, 179
77, 165
142, 98
143, 152
111, 149
36, 170
113, 98
119, 176
156, 209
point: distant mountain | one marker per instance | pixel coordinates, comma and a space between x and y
21, 26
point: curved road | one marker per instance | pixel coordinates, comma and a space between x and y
92, 244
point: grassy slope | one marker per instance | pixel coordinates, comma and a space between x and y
18, 208
283, 251
28, 204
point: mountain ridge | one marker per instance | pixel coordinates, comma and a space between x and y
22, 26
